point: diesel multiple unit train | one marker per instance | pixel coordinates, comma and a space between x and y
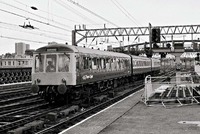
70, 72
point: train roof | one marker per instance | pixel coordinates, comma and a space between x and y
76, 49
139, 57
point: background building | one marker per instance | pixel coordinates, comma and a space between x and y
21, 47
22, 57
16, 61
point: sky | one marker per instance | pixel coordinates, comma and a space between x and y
54, 20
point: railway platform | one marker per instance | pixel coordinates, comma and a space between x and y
132, 116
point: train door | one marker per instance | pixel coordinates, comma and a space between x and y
78, 68
131, 66
152, 62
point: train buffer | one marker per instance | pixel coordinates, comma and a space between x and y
161, 93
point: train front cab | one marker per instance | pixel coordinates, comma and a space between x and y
52, 73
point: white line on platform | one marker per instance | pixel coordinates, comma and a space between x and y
98, 113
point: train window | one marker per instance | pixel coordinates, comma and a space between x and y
112, 64
108, 64
134, 63
122, 64
50, 63
110, 61
142, 63
63, 62
103, 66
90, 63
39, 63
115, 63
98, 63
85, 63
119, 64
94, 63
126, 63
77, 63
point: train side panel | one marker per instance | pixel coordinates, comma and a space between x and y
63, 71
156, 65
93, 67
141, 65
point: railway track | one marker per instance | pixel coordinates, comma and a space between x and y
11, 86
21, 104
17, 99
39, 111
66, 123
32, 116
82, 115
15, 89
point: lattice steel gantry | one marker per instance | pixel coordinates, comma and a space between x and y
80, 34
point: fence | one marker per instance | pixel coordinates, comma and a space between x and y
177, 89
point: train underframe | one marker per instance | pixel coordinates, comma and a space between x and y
82, 91
85, 91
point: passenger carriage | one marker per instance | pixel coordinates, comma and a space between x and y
70, 72
155, 65
63, 70
141, 65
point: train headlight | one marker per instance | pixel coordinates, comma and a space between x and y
62, 89
38, 80
64, 81
34, 88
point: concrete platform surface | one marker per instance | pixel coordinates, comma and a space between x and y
131, 116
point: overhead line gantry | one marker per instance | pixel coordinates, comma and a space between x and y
85, 33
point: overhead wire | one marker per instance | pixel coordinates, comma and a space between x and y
13, 38
124, 11
61, 3
34, 14
42, 34
93, 13
22, 16
130, 14
17, 26
55, 15
53, 32
34, 20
